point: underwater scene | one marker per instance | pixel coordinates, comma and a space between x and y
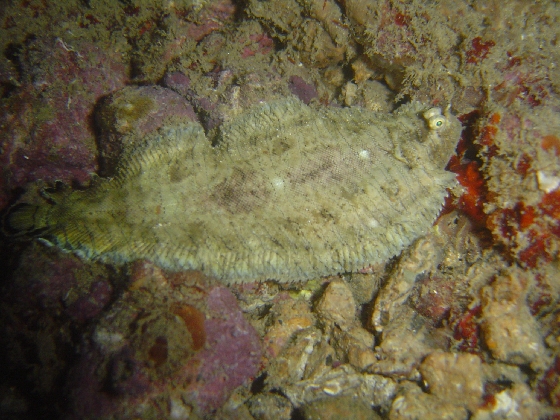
280, 209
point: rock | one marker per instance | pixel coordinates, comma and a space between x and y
510, 331
515, 403
306, 92
424, 254
288, 317
290, 365
356, 344
339, 408
44, 123
175, 329
454, 377
404, 343
130, 114
411, 403
337, 304
269, 406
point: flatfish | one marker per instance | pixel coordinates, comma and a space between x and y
288, 192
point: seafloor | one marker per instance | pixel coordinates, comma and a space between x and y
464, 324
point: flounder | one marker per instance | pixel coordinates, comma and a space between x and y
289, 192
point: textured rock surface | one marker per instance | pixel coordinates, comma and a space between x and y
454, 377
338, 408
197, 345
45, 129
510, 332
412, 403
337, 304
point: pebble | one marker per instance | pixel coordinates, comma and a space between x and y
454, 377
337, 304
510, 332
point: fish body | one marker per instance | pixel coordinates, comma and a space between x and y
289, 193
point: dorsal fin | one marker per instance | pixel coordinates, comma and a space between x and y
167, 144
262, 121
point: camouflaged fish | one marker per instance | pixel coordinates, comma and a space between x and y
289, 192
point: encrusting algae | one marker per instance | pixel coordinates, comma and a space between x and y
290, 193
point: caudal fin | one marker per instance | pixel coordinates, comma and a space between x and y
24, 219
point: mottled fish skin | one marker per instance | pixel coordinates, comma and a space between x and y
289, 193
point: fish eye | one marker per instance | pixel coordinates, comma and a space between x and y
436, 122
434, 118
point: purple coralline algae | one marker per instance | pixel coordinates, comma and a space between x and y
189, 353
47, 132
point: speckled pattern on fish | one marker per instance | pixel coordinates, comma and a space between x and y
290, 192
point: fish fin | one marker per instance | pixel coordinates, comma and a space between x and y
262, 122
181, 141
55, 195
24, 219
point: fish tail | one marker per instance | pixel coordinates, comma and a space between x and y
25, 219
